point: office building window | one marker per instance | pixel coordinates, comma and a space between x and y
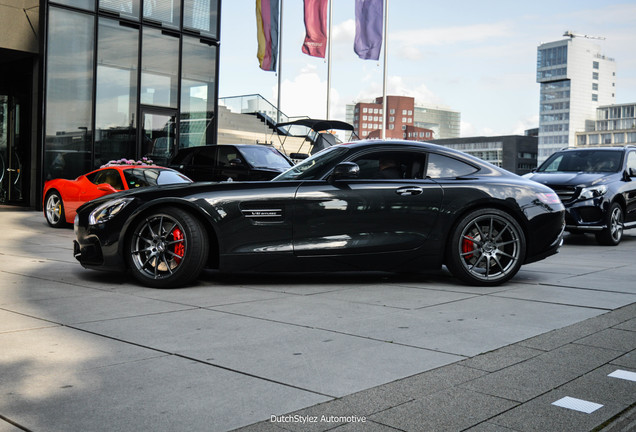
159, 68
116, 97
127, 8
595, 75
197, 93
69, 94
79, 4
594, 97
595, 65
165, 12
200, 16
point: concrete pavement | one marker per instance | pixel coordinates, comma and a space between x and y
88, 351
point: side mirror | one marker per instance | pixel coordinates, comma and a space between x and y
346, 170
105, 187
236, 162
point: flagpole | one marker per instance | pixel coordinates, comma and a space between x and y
329, 57
386, 37
280, 56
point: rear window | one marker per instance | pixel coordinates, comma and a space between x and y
445, 167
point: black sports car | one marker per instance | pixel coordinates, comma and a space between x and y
337, 210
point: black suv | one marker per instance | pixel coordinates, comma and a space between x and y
597, 186
229, 162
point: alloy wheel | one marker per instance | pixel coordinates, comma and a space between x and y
490, 248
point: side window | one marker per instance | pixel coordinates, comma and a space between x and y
205, 157
227, 154
631, 160
109, 176
445, 167
391, 165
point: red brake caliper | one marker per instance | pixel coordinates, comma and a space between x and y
179, 248
468, 246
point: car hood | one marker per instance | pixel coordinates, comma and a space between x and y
569, 178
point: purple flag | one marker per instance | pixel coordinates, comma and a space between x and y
368, 40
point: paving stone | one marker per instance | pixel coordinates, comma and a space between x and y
622, 340
450, 410
628, 360
501, 358
524, 381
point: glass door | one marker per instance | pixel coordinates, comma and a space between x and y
11, 169
158, 134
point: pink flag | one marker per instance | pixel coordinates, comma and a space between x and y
315, 27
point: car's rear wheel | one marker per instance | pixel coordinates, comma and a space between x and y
613, 233
54, 209
167, 248
486, 248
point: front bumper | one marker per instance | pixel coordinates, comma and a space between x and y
586, 216
95, 248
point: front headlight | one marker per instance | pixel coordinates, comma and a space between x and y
592, 192
108, 210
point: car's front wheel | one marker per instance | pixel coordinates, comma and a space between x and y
167, 248
54, 209
613, 232
486, 248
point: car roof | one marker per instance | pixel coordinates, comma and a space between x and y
614, 148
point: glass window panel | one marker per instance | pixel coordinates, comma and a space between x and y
167, 12
160, 69
201, 15
128, 8
116, 98
69, 83
80, 4
197, 93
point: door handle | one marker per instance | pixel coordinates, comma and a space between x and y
406, 191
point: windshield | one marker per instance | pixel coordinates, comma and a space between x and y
583, 161
265, 157
138, 177
314, 167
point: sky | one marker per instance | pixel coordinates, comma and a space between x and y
478, 58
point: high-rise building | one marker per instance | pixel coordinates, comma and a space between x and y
575, 79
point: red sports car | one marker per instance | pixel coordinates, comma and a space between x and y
62, 197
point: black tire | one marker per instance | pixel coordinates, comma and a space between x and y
487, 247
167, 248
613, 233
54, 209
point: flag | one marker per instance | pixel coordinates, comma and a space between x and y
315, 27
368, 40
267, 33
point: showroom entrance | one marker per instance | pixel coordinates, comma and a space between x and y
15, 130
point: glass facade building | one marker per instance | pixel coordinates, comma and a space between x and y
84, 82
127, 79
575, 78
